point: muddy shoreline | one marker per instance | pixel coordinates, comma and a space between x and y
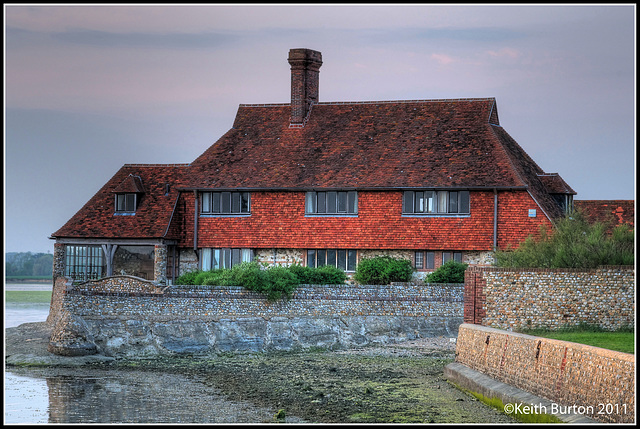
379, 384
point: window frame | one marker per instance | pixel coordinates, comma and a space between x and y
213, 258
331, 203
225, 203
84, 262
427, 257
129, 201
436, 203
345, 259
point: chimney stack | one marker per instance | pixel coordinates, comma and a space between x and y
305, 72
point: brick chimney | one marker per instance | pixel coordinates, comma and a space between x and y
305, 72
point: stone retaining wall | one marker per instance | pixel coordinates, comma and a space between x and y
600, 382
515, 299
123, 315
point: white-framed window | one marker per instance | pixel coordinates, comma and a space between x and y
126, 203
225, 203
331, 203
345, 259
432, 202
215, 258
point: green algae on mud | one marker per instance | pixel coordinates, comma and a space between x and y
329, 387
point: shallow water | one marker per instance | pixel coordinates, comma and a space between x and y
64, 395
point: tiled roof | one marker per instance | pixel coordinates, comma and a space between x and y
97, 219
364, 145
616, 212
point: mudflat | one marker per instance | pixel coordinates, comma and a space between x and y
402, 382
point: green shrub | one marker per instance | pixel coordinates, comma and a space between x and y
188, 278
280, 282
383, 270
449, 272
326, 275
574, 243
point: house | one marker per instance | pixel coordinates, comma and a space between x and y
318, 183
609, 212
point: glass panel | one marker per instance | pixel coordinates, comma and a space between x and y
215, 259
408, 202
446, 257
331, 257
205, 259
311, 258
430, 260
247, 255
342, 260
352, 202
419, 202
351, 260
206, 202
332, 202
245, 208
322, 203
321, 258
463, 205
235, 202
457, 256
215, 202
225, 202
453, 202
120, 203
442, 201
343, 206
311, 202
430, 201
236, 257
226, 258
419, 260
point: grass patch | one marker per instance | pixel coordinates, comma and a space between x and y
28, 296
523, 417
622, 340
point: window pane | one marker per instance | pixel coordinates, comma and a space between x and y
332, 203
215, 202
419, 202
226, 258
225, 202
463, 205
235, 202
352, 202
408, 201
419, 261
321, 258
430, 261
342, 202
244, 206
446, 257
342, 260
311, 202
442, 201
453, 202
457, 256
206, 202
351, 260
205, 259
236, 257
120, 203
311, 258
322, 202
215, 259
430, 201
331, 258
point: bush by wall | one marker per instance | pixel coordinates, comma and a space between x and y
382, 270
449, 272
574, 243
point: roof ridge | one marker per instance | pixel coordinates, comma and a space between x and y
329, 103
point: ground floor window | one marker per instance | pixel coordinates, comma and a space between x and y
431, 260
342, 258
135, 261
215, 258
84, 263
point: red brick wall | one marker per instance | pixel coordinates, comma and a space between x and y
278, 220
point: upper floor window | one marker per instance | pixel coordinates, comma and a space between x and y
126, 203
225, 203
435, 202
332, 202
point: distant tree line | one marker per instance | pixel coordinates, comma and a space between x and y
27, 264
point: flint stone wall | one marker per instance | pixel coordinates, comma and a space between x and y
123, 315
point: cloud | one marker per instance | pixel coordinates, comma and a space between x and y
442, 59
505, 52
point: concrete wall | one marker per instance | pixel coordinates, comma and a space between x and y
599, 380
128, 316
516, 299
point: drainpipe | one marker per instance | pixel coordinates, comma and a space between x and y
195, 222
495, 219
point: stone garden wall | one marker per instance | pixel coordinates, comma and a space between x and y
515, 299
124, 315
590, 381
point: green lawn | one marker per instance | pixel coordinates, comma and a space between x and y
622, 340
28, 296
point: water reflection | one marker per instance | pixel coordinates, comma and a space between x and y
98, 396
